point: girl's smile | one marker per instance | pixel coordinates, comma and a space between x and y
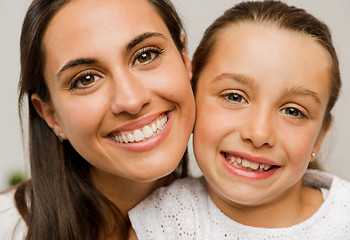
245, 165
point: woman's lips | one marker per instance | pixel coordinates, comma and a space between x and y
145, 137
142, 133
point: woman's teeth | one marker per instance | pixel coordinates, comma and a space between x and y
143, 133
245, 164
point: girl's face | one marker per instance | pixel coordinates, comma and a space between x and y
260, 101
120, 90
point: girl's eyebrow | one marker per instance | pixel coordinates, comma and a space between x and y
243, 79
300, 91
249, 81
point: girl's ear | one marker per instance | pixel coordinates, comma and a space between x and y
47, 113
319, 140
185, 56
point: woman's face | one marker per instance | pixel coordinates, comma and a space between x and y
260, 101
120, 90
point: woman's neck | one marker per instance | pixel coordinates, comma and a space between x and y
124, 193
295, 206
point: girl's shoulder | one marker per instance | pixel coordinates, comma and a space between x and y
12, 225
175, 209
182, 190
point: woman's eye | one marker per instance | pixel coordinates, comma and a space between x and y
85, 80
146, 55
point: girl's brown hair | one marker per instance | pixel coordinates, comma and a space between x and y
282, 16
60, 200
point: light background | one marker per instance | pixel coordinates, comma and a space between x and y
197, 15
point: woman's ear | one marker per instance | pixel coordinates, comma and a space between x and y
185, 56
47, 113
319, 140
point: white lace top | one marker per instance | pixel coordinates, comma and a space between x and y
184, 210
12, 225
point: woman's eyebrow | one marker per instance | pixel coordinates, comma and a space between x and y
142, 37
74, 63
81, 61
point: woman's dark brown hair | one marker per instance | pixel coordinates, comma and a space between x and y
60, 200
282, 16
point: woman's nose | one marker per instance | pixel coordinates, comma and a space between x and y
259, 130
129, 95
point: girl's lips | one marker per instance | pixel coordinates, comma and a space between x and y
136, 129
249, 167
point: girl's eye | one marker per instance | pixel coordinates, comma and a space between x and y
234, 97
293, 112
146, 55
85, 80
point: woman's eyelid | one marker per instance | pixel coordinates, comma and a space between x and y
78, 77
152, 49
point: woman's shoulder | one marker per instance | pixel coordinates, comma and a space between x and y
11, 223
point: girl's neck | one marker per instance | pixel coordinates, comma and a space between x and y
295, 206
124, 193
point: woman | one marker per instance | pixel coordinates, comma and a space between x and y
110, 114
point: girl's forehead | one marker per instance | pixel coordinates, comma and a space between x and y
270, 56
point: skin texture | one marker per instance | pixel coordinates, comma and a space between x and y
262, 99
114, 88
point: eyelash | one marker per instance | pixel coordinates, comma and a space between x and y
301, 115
80, 77
226, 97
154, 51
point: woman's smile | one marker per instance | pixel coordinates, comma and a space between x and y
144, 134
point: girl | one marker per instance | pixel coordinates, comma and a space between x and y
266, 78
110, 113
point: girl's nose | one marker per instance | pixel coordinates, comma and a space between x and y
129, 95
259, 130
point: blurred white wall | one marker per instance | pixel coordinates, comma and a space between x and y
197, 15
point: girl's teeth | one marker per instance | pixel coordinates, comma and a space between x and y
247, 164
141, 134
254, 165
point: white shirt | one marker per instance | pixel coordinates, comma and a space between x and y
184, 210
12, 225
